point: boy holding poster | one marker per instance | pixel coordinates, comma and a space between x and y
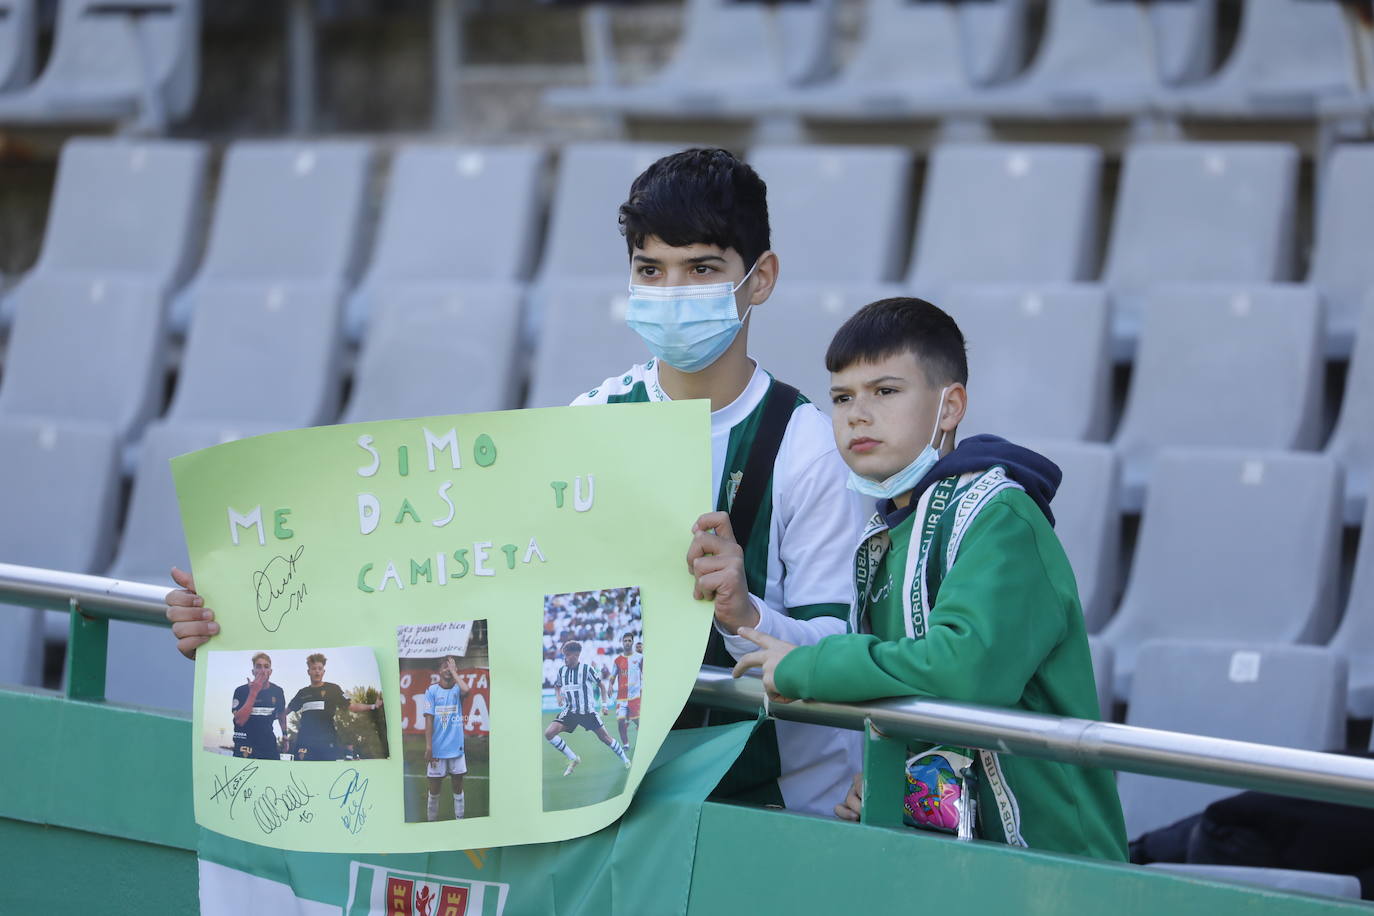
962, 590
697, 233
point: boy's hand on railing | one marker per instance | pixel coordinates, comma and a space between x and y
717, 562
849, 809
192, 622
771, 651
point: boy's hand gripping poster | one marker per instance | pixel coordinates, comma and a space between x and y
443, 633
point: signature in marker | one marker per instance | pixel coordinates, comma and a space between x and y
274, 806
229, 786
350, 791
277, 591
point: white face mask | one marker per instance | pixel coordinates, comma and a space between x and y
687, 327
907, 478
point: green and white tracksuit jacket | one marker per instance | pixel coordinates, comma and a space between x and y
797, 572
970, 597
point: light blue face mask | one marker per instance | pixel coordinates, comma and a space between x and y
687, 327
907, 478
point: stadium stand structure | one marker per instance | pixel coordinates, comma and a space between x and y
1218, 366
578, 300
863, 193
1089, 527
269, 293
18, 42
1039, 361
121, 235
1352, 441
1294, 59
979, 200
1199, 213
1341, 269
1102, 60
1103, 665
912, 60
135, 62
1243, 511
439, 309
1354, 639
55, 471
728, 52
1291, 696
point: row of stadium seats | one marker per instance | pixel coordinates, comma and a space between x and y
1292, 59
1201, 234
439, 306
137, 63
1290, 696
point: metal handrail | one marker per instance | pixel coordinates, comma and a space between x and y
1155, 752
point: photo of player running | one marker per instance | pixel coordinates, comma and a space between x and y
590, 667
445, 680
251, 716
627, 678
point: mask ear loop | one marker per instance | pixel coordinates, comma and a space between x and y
939, 413
745, 317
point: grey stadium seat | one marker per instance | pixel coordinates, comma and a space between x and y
839, 213
437, 348
789, 333
1292, 59
1218, 366
1185, 39
262, 353
126, 208
115, 62
917, 57
1354, 638
1101, 655
1088, 525
87, 349
584, 273
1096, 60
586, 318
583, 238
18, 34
1352, 441
728, 52
287, 212
1291, 696
142, 667
60, 491
1199, 213
1212, 518
1007, 213
1342, 268
453, 215
1038, 358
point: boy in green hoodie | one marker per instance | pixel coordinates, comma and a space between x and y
962, 591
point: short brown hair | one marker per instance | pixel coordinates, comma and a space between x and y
262, 655
316, 657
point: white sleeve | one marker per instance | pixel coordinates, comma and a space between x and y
789, 629
817, 519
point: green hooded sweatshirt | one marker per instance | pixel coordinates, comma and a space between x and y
983, 610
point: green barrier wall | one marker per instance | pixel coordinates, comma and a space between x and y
95, 816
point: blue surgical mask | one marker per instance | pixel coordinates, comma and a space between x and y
907, 478
687, 327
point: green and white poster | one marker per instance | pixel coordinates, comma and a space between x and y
443, 633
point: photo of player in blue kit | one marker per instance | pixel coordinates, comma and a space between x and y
257, 704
